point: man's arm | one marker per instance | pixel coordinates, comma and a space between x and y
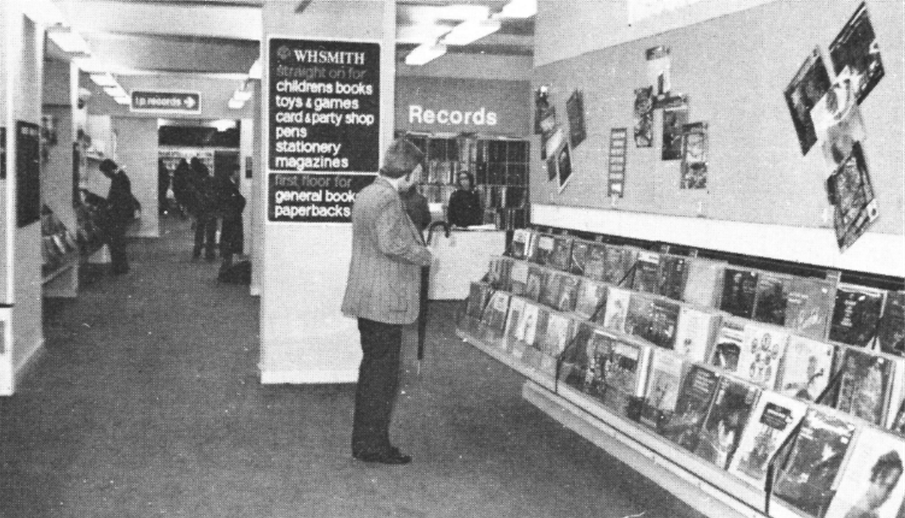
394, 236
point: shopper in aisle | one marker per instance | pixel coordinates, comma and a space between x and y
202, 189
382, 292
181, 180
230, 203
464, 204
121, 207
163, 185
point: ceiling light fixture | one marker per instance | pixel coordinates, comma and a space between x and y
255, 71
518, 9
471, 31
425, 53
242, 95
235, 104
90, 65
68, 40
125, 100
104, 79
115, 91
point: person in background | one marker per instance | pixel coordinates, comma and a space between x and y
163, 185
231, 203
382, 293
464, 204
182, 177
202, 189
121, 208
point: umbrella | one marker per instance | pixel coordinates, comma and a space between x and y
425, 283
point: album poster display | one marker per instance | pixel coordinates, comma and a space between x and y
658, 70
675, 116
563, 166
805, 90
644, 117
28, 173
617, 162
852, 196
856, 54
838, 123
694, 156
2, 153
575, 112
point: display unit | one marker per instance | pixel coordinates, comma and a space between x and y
498, 164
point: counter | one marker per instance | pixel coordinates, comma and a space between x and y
461, 258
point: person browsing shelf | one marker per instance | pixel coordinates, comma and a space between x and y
464, 204
382, 292
121, 206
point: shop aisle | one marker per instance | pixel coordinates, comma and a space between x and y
147, 403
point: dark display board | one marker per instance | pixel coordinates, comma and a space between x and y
313, 198
28, 173
324, 107
2, 153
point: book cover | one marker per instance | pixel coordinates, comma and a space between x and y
692, 405
647, 275
625, 374
772, 421
664, 318
662, 393
537, 276
595, 262
806, 479
550, 288
518, 278
891, 334
810, 306
856, 314
560, 257
544, 249
617, 302
671, 282
871, 483
579, 257
772, 297
762, 349
640, 315
726, 421
806, 368
568, 292
739, 292
618, 265
592, 295
703, 282
864, 385
695, 332
728, 345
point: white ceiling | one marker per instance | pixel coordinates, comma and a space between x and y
222, 36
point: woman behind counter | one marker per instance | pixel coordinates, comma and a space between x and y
464, 204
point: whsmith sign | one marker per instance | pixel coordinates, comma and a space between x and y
165, 102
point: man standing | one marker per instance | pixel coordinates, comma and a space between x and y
383, 293
121, 210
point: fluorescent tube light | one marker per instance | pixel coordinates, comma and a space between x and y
123, 99
69, 41
115, 91
242, 95
425, 53
90, 65
104, 79
235, 104
471, 31
518, 9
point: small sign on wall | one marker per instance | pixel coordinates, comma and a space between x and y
153, 101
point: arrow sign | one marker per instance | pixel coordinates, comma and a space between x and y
152, 101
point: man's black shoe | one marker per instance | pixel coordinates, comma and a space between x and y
394, 456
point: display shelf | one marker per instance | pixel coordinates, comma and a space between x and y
63, 267
705, 487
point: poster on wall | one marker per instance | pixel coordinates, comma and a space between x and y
658, 70
852, 195
809, 85
544, 112
2, 153
856, 54
28, 173
552, 142
675, 115
323, 123
563, 166
838, 124
694, 156
644, 117
617, 161
575, 112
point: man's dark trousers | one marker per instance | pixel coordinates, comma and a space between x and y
378, 380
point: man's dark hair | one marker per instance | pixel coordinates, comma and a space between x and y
401, 158
887, 463
108, 166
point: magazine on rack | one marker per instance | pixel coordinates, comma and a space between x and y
494, 317
625, 375
810, 306
729, 344
865, 385
519, 249
544, 249
891, 334
550, 288
518, 278
774, 418
561, 255
739, 292
646, 277
703, 282
619, 261
579, 257
591, 296
726, 421
684, 425
595, 262
640, 315
534, 346
556, 338
525, 330
805, 479
871, 482
478, 295
696, 331
856, 314
574, 369
586, 373
806, 368
772, 298
537, 276
671, 274
568, 292
664, 318
665, 379
617, 303
763, 348
516, 311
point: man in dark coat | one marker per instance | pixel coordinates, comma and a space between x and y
120, 211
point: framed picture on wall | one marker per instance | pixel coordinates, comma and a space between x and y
563, 166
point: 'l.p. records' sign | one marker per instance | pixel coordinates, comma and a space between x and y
165, 101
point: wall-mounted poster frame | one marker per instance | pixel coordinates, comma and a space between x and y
28, 173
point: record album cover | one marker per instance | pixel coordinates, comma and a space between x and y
806, 368
703, 282
856, 314
575, 113
671, 274
871, 483
726, 421
591, 300
739, 292
647, 274
852, 195
675, 116
856, 53
772, 298
562, 253
695, 332
891, 334
808, 86
595, 262
692, 405
772, 421
662, 393
864, 385
644, 117
619, 261
617, 304
810, 306
695, 150
578, 257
